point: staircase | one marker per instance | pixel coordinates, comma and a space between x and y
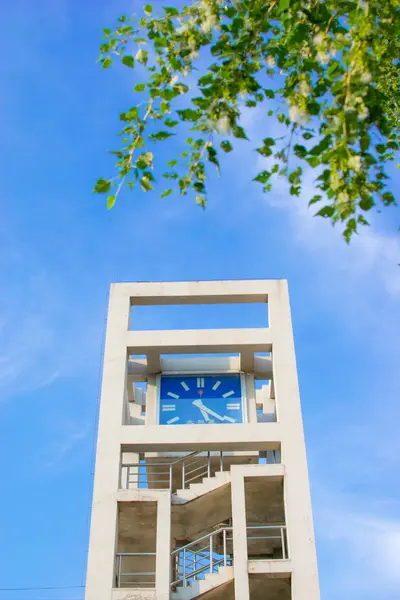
202, 586
207, 484
202, 565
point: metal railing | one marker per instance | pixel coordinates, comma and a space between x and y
191, 468
141, 576
267, 542
202, 556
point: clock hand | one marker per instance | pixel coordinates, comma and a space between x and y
205, 415
204, 408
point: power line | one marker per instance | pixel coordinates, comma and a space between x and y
28, 589
44, 598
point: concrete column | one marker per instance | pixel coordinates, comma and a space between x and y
240, 558
151, 401
103, 533
251, 399
299, 522
163, 558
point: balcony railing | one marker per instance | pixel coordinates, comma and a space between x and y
180, 473
136, 570
201, 557
267, 542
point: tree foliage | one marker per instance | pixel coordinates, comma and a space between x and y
326, 74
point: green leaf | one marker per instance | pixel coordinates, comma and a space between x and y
366, 203
128, 61
107, 62
201, 200
140, 40
388, 199
300, 151
269, 141
322, 146
314, 199
171, 11
264, 151
313, 161
172, 163
139, 87
283, 5
160, 135
148, 9
350, 229
170, 122
263, 177
111, 201
269, 93
212, 157
226, 146
307, 135
102, 186
326, 211
188, 114
144, 160
146, 184
142, 56
239, 132
166, 193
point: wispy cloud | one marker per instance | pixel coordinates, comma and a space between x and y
70, 434
365, 544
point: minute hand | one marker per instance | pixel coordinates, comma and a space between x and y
204, 408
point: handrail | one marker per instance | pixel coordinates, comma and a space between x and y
214, 532
162, 472
175, 462
137, 575
192, 561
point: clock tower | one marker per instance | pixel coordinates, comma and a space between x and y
201, 485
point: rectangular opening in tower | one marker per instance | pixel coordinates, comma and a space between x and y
199, 316
136, 545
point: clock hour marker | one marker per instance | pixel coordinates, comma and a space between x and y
173, 420
233, 406
228, 394
216, 385
185, 386
200, 382
168, 407
175, 395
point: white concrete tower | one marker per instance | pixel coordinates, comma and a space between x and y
201, 486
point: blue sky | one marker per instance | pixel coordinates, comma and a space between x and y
60, 249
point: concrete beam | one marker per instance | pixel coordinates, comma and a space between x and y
197, 292
138, 367
198, 341
164, 438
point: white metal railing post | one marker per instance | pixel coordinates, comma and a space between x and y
195, 565
170, 477
127, 477
119, 571
211, 554
208, 464
183, 475
283, 543
224, 538
184, 568
221, 461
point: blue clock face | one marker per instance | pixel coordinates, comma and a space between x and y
208, 399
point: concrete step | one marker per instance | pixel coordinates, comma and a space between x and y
207, 485
210, 582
